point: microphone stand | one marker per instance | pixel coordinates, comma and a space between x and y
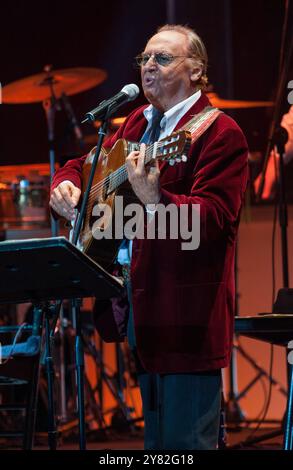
51, 106
281, 86
280, 139
72, 120
75, 303
101, 135
79, 349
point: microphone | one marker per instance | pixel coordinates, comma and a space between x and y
128, 93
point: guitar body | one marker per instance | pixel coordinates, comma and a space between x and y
102, 250
111, 180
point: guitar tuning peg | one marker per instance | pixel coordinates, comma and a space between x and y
178, 159
171, 162
184, 158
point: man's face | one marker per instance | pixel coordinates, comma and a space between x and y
165, 86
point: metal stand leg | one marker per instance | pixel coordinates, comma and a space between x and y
50, 106
222, 437
79, 361
33, 395
278, 432
111, 383
52, 429
288, 436
63, 408
261, 372
233, 411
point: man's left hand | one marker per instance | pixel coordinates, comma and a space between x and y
144, 181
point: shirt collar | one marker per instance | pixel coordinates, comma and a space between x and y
174, 114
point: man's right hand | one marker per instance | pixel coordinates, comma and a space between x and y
64, 198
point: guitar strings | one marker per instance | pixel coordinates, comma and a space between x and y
121, 169
117, 175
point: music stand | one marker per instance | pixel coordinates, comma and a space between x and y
43, 270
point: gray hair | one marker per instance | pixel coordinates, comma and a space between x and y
196, 49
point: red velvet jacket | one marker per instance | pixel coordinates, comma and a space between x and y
183, 301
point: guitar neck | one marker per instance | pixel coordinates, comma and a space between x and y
120, 175
170, 148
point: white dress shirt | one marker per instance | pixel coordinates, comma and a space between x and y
168, 123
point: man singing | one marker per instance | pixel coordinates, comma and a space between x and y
182, 301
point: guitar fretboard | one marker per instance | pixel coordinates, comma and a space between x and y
169, 148
120, 175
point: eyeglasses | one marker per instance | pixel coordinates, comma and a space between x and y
160, 58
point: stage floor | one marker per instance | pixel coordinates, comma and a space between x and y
125, 441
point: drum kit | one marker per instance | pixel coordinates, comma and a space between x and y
52, 89
18, 198
40, 87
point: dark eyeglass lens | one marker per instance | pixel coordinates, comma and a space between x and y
160, 58
163, 59
142, 59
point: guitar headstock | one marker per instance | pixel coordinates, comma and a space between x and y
174, 148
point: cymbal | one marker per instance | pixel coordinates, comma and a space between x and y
37, 88
236, 104
117, 121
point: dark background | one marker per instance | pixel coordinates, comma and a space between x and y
242, 38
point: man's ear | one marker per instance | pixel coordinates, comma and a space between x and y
196, 73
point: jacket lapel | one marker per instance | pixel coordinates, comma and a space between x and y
201, 103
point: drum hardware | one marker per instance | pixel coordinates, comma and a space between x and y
63, 358
52, 88
233, 411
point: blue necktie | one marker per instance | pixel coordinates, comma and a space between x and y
152, 133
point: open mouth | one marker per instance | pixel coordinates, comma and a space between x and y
149, 80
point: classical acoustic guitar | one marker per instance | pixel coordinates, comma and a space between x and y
111, 180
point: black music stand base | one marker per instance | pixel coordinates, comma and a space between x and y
79, 364
52, 429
